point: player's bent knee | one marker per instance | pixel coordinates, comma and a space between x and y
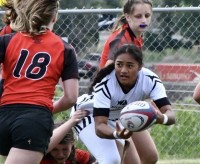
150, 159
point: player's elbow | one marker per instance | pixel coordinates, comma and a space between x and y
70, 101
172, 121
196, 97
67, 102
196, 93
172, 118
98, 132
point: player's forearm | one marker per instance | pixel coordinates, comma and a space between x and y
103, 131
196, 94
63, 104
59, 133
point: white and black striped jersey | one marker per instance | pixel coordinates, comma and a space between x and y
84, 102
109, 98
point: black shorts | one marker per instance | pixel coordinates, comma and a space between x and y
25, 126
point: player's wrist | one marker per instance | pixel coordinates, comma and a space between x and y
115, 135
165, 119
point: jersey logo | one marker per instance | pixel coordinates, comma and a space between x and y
123, 102
154, 79
102, 87
29, 141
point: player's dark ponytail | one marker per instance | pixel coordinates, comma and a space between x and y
100, 75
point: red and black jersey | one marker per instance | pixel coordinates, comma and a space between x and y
5, 30
81, 157
123, 35
33, 66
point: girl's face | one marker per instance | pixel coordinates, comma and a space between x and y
61, 152
140, 19
126, 68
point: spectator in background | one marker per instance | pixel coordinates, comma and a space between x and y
66, 153
196, 94
128, 28
34, 59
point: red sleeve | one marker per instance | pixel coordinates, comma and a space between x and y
104, 55
82, 156
6, 30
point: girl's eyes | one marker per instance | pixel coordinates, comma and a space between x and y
128, 66
54, 150
119, 64
147, 15
140, 16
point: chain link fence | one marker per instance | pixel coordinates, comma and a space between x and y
171, 49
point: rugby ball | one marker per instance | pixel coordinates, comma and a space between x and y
138, 116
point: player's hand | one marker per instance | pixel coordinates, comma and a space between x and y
123, 133
78, 115
159, 117
158, 113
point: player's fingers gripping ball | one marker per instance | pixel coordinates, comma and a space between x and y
138, 116
122, 133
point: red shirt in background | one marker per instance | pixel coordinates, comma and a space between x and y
123, 35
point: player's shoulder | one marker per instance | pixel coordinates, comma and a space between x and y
5, 39
107, 80
55, 37
67, 46
80, 151
106, 87
147, 71
114, 34
6, 30
82, 155
147, 76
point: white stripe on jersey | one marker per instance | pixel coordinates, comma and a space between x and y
108, 93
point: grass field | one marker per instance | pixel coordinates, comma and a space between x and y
180, 161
